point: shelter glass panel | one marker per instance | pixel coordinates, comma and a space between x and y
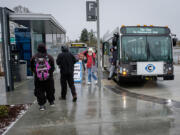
37, 39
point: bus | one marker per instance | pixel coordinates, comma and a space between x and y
144, 52
76, 48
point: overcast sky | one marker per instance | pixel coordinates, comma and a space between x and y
71, 14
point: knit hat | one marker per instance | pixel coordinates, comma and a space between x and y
90, 49
42, 48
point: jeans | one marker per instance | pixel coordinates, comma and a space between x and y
90, 73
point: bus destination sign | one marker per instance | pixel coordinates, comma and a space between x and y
145, 30
77, 45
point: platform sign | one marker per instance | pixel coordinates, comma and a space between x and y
78, 72
91, 10
12, 40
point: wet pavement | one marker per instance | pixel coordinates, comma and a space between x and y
22, 94
3, 98
100, 112
169, 90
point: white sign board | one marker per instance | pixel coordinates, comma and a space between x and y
150, 68
78, 72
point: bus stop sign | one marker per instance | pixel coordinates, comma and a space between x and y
91, 10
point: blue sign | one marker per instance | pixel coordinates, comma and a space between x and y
150, 68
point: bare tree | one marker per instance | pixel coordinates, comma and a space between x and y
21, 9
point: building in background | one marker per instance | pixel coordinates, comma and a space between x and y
25, 31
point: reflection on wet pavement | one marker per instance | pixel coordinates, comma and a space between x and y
160, 89
100, 112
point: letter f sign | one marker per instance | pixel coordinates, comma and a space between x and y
91, 6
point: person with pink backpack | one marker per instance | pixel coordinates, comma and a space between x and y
42, 65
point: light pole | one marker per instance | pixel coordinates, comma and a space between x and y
92, 14
98, 44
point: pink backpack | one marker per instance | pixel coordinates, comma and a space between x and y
42, 68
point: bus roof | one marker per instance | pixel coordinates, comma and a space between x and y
152, 30
138, 30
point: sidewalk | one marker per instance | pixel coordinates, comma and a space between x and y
96, 113
22, 94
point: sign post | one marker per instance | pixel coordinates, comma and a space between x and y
92, 11
98, 44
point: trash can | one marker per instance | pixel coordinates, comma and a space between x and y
20, 71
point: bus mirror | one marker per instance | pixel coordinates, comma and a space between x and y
115, 40
174, 41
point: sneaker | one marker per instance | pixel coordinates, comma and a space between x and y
89, 83
42, 108
96, 82
109, 78
52, 104
74, 99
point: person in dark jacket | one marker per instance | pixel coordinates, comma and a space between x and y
66, 61
44, 89
113, 61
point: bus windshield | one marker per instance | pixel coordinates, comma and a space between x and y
146, 48
76, 50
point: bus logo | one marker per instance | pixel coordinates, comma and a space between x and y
150, 68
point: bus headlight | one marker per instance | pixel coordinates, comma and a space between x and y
170, 68
124, 73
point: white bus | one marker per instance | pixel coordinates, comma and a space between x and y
143, 52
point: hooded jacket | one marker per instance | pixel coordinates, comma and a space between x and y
66, 61
90, 59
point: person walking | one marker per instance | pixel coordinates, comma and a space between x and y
113, 61
91, 65
42, 65
66, 61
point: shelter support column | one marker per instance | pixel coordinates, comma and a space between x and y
32, 39
4, 16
